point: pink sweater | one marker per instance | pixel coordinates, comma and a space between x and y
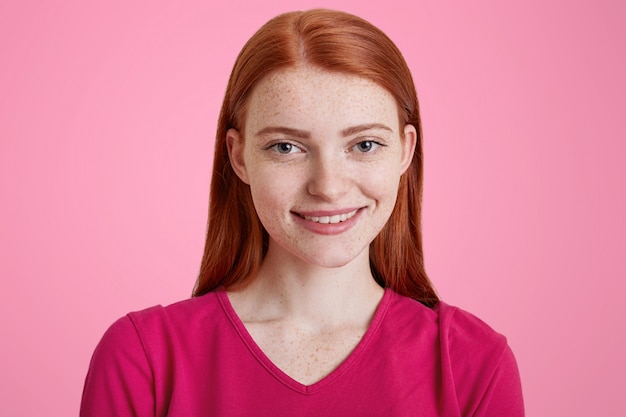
195, 358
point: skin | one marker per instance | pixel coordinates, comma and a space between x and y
323, 154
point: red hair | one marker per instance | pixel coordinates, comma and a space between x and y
236, 241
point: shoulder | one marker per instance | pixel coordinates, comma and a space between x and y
139, 354
480, 364
185, 314
459, 332
138, 328
476, 365
445, 318
147, 337
465, 334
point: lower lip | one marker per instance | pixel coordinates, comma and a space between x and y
327, 228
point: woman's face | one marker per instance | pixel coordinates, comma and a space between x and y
323, 154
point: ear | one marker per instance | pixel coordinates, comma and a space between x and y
235, 145
409, 142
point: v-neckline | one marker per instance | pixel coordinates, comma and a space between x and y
278, 373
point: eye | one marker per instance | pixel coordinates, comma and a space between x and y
285, 148
366, 146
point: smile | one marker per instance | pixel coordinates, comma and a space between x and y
337, 218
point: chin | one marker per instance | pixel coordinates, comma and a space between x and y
331, 260
330, 264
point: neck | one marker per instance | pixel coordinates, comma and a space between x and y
289, 289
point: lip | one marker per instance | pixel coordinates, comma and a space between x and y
328, 228
321, 213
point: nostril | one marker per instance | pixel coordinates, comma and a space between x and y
327, 180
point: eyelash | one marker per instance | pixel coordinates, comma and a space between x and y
373, 144
275, 147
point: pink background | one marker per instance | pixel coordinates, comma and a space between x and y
107, 117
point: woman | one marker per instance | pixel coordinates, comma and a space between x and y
312, 297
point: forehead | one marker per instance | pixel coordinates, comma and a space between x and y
304, 97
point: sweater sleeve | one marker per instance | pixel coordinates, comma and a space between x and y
503, 396
119, 381
482, 366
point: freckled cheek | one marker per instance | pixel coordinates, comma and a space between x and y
382, 185
268, 203
262, 201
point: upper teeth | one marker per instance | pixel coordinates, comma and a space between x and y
331, 219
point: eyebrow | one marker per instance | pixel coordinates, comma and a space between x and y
361, 128
303, 134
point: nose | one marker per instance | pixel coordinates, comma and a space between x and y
328, 178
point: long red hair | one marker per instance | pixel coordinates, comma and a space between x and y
236, 241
